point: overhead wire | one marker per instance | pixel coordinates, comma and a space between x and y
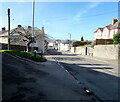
67, 18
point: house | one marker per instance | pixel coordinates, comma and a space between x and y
3, 36
65, 45
105, 35
22, 36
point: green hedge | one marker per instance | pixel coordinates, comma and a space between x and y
81, 43
27, 55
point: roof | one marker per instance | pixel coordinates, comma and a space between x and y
101, 29
66, 41
13, 31
2, 32
110, 26
116, 25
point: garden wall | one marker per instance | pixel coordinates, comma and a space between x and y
103, 51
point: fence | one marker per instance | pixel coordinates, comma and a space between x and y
15, 47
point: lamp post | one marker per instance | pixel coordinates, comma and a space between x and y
70, 40
32, 47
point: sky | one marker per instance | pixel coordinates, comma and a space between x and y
60, 19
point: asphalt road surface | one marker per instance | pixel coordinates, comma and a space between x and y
99, 77
28, 81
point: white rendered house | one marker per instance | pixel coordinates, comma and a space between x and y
107, 32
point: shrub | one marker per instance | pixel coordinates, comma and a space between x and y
27, 55
116, 38
81, 43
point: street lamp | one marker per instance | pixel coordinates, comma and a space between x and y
70, 40
32, 47
70, 35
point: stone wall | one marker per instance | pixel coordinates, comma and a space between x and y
80, 50
72, 49
103, 51
106, 51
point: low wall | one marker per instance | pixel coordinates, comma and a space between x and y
103, 51
72, 49
80, 50
106, 51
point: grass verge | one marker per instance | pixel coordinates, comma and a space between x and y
27, 55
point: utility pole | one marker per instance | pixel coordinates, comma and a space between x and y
32, 47
8, 29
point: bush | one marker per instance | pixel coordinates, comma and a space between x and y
81, 43
27, 55
116, 38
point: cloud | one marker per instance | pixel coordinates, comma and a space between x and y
94, 4
45, 22
79, 14
3, 21
46, 31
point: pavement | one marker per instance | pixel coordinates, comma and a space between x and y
24, 80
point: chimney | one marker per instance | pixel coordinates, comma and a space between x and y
3, 29
19, 26
29, 27
114, 21
43, 30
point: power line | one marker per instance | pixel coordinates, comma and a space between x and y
84, 17
100, 14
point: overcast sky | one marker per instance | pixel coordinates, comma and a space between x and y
61, 18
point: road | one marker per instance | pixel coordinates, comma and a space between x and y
28, 81
100, 77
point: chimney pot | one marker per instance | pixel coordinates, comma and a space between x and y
19, 26
114, 21
3, 29
29, 27
42, 28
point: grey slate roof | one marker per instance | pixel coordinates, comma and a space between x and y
66, 41
116, 25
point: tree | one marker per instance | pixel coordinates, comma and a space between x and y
22, 36
82, 38
116, 38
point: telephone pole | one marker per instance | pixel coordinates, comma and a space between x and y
8, 29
